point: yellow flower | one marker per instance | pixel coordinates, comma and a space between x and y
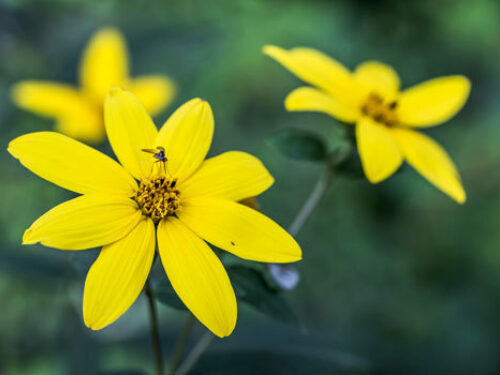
78, 111
186, 198
385, 117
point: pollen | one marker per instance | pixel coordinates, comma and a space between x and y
380, 110
158, 197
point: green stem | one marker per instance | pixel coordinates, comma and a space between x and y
195, 354
155, 331
303, 215
181, 343
312, 201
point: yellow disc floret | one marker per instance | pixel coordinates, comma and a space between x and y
158, 197
380, 110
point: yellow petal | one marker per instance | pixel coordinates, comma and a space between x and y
129, 129
378, 150
86, 126
233, 175
198, 277
239, 229
71, 164
378, 77
155, 92
431, 161
75, 115
85, 222
186, 137
310, 99
319, 70
117, 277
433, 102
47, 98
104, 63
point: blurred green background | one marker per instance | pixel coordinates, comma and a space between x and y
396, 278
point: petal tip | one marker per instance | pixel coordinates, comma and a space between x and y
108, 33
28, 237
17, 93
199, 103
226, 331
11, 149
296, 256
270, 50
374, 179
109, 30
91, 320
91, 324
460, 197
466, 84
270, 181
115, 90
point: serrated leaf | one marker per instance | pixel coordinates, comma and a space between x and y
300, 144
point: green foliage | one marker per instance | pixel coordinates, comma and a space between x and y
350, 165
300, 144
394, 272
250, 286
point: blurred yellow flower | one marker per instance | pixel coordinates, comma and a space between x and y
188, 200
385, 117
78, 111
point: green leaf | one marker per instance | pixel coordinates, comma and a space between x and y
300, 144
350, 166
250, 286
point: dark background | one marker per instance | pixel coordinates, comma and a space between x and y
396, 278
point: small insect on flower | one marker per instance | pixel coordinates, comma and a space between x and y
159, 154
181, 207
386, 119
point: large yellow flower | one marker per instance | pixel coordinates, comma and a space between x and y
187, 199
385, 117
78, 111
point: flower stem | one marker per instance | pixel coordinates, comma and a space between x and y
181, 343
155, 331
195, 354
312, 201
305, 212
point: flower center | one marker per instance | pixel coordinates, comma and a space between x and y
380, 111
158, 197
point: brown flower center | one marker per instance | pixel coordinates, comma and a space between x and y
158, 197
380, 111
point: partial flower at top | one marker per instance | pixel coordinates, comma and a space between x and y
78, 111
181, 197
385, 117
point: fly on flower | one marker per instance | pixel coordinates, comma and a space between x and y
385, 117
159, 154
78, 111
192, 201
